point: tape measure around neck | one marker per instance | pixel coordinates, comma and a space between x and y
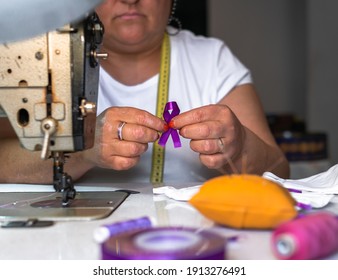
157, 166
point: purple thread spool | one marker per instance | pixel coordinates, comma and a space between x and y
312, 236
102, 233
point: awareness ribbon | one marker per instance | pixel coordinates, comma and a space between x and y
173, 107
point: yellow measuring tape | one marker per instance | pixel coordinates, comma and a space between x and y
157, 166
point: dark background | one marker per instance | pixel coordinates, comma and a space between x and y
193, 15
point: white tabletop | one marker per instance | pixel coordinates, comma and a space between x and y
73, 240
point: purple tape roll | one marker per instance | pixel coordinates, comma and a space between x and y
165, 243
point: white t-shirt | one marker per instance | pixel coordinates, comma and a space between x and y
203, 71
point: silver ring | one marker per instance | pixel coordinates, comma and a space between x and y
119, 130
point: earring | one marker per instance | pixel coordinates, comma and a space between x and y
173, 19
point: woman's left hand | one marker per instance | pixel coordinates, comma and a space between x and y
215, 133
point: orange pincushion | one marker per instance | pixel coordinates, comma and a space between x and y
245, 201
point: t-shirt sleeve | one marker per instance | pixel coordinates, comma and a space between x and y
230, 72
204, 69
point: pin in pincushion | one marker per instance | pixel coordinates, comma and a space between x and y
245, 201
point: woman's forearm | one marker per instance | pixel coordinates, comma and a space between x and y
23, 166
257, 157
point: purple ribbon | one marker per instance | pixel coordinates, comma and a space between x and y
173, 107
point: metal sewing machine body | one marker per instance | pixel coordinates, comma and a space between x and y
48, 91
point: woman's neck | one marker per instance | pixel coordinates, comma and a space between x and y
132, 68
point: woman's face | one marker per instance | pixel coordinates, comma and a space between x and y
133, 23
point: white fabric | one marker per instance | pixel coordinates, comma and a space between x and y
203, 70
325, 182
183, 194
317, 190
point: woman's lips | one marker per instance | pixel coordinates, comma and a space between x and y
130, 16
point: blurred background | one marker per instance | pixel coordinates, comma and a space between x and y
291, 48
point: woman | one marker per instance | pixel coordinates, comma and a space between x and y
222, 125
229, 136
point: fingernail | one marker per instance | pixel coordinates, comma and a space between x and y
171, 124
166, 127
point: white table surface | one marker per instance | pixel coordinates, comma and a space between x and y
73, 240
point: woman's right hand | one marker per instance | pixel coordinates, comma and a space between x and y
139, 129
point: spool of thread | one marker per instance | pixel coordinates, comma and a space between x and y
164, 243
309, 237
103, 233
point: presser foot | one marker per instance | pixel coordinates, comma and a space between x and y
62, 181
65, 185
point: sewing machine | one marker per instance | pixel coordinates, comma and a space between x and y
49, 83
